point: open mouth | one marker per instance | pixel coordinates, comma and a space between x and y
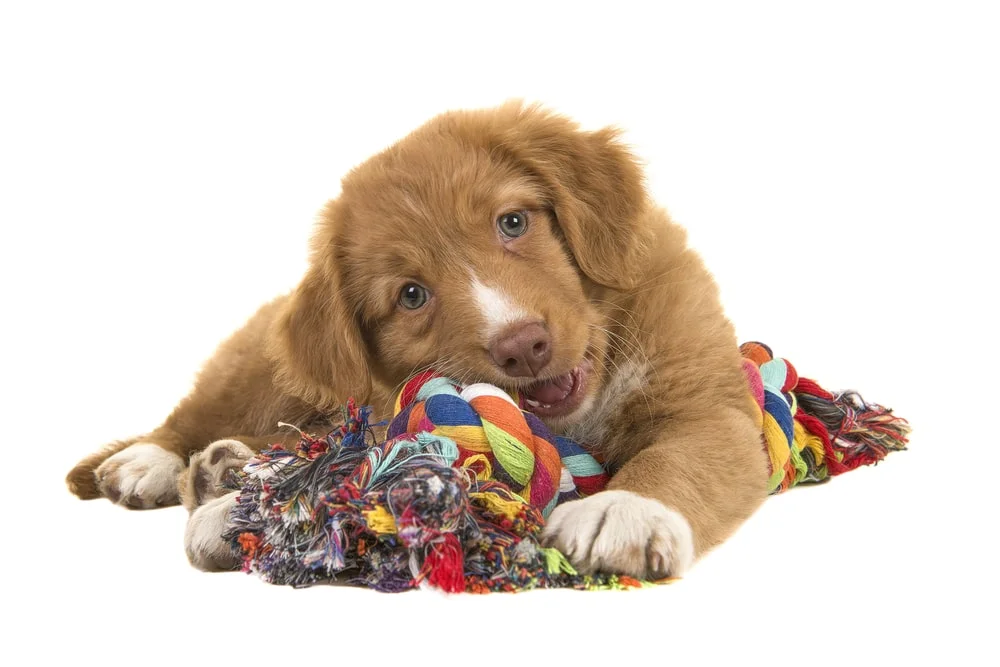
557, 396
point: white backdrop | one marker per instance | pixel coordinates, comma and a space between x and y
160, 168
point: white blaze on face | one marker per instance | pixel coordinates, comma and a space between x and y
497, 308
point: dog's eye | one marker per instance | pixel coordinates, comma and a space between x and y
513, 224
413, 296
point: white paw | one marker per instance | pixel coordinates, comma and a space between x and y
209, 470
620, 532
203, 536
141, 476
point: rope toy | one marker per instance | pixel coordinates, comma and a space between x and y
809, 433
456, 495
490, 430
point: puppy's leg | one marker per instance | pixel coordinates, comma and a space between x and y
153, 471
205, 477
139, 473
142, 475
668, 504
203, 542
82, 481
235, 394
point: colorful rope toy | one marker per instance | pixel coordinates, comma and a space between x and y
455, 496
810, 434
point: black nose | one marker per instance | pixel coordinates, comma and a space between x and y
523, 350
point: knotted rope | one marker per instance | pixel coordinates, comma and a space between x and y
499, 440
809, 433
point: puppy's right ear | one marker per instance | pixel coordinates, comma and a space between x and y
315, 340
595, 187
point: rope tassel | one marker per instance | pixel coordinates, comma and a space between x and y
850, 432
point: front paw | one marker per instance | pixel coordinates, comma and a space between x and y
620, 532
141, 476
203, 542
209, 471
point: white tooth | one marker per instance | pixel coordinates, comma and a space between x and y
546, 405
532, 402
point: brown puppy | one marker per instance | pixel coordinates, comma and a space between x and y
504, 246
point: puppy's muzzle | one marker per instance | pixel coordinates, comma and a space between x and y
522, 350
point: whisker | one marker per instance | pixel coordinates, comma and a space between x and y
615, 342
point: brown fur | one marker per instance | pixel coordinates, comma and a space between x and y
605, 269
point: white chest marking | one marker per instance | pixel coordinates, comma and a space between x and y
628, 378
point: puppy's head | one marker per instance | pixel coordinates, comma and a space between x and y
481, 245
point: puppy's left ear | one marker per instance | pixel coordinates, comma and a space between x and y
315, 340
596, 189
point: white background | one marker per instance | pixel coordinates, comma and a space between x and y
838, 168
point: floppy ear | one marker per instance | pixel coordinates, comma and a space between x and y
316, 342
597, 192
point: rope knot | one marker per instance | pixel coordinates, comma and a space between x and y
491, 431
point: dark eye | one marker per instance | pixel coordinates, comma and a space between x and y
513, 224
413, 296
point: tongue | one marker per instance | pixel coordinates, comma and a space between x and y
552, 391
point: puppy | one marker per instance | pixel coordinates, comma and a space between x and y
504, 246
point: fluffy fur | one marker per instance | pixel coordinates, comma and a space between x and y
629, 309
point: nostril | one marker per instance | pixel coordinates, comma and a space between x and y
539, 348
